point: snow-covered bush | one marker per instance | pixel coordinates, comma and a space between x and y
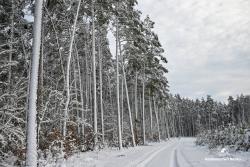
232, 136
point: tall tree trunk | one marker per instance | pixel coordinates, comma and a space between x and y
94, 74
117, 88
111, 101
151, 117
172, 123
136, 100
81, 90
101, 96
136, 104
40, 89
157, 120
167, 123
31, 151
76, 94
179, 123
86, 86
11, 43
127, 96
122, 99
143, 106
68, 73
129, 108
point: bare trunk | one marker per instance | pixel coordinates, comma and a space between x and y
31, 151
128, 101
68, 73
87, 86
76, 94
117, 89
101, 100
40, 90
136, 100
122, 100
11, 43
81, 90
167, 123
94, 74
136, 105
143, 106
151, 118
157, 120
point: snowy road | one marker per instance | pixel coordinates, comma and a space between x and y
173, 153
164, 158
184, 153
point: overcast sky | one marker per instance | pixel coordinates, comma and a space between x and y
207, 44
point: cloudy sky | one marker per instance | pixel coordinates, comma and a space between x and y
207, 44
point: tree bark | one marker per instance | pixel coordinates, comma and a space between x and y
68, 73
101, 96
117, 88
94, 74
143, 106
11, 43
31, 151
157, 119
128, 101
151, 117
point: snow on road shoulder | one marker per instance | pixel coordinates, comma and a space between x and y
127, 157
190, 155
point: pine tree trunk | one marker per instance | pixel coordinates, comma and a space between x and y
31, 151
151, 118
76, 94
136, 105
111, 101
68, 73
11, 44
117, 89
40, 89
86, 86
129, 109
101, 96
94, 74
81, 91
167, 123
122, 99
77, 75
157, 120
136, 100
143, 107
127, 97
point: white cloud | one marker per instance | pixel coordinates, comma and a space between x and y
206, 43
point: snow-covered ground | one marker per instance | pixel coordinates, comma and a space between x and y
173, 153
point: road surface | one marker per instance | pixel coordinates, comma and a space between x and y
172, 153
184, 153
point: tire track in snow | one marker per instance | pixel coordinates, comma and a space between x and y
149, 158
174, 161
185, 158
182, 159
153, 154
